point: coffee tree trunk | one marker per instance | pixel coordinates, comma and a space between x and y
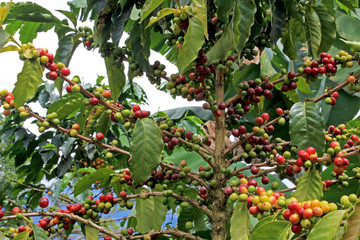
219, 218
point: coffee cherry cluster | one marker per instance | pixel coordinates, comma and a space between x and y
97, 164
7, 101
331, 100
88, 38
354, 85
304, 215
197, 84
257, 44
158, 70
307, 157
193, 141
252, 90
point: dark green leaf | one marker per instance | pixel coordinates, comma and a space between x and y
117, 28
240, 222
178, 113
91, 233
247, 12
116, 78
310, 186
139, 44
39, 233
64, 107
249, 72
4, 37
352, 224
150, 212
193, 41
327, 227
347, 27
307, 126
293, 30
67, 46
223, 9
312, 31
228, 41
271, 230
145, 150
28, 81
69, 15
87, 180
278, 21
148, 7
38, 17
192, 214
328, 28
349, 4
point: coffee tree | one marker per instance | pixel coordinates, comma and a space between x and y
279, 85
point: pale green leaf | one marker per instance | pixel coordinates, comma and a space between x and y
193, 41
148, 7
28, 81
240, 222
327, 227
310, 186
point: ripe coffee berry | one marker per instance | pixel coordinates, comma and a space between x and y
106, 94
136, 107
43, 202
53, 67
94, 101
65, 71
15, 210
279, 111
259, 121
99, 136
52, 75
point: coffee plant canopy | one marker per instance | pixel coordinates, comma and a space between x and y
273, 153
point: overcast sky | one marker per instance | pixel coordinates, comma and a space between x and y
87, 64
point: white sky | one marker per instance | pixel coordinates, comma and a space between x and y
87, 64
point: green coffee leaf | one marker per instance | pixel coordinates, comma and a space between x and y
145, 150
200, 12
66, 106
228, 41
240, 222
116, 78
91, 233
161, 14
352, 224
150, 212
39, 233
327, 227
312, 32
28, 81
307, 126
272, 230
4, 37
22, 236
194, 39
247, 13
87, 180
328, 28
149, 7
309, 187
